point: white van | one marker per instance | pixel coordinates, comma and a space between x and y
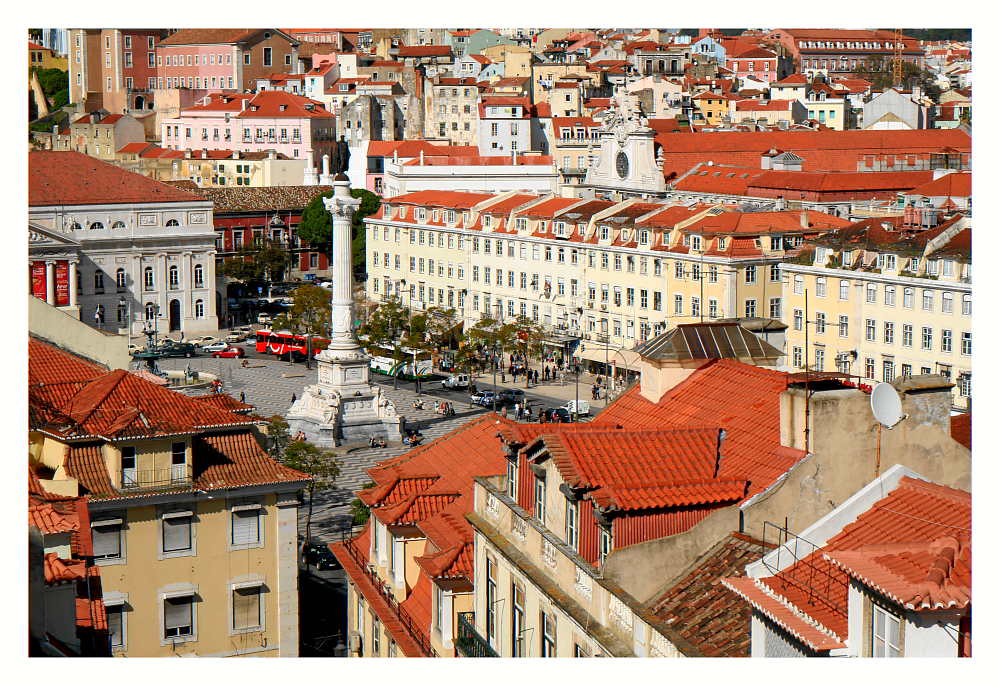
580, 407
456, 381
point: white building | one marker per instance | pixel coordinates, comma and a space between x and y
113, 246
493, 174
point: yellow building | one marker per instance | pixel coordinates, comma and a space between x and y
516, 59
40, 57
710, 108
570, 142
884, 303
193, 525
599, 276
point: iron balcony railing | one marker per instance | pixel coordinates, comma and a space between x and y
411, 627
153, 479
468, 642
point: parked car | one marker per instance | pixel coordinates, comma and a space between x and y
455, 381
482, 398
319, 555
582, 409
201, 341
215, 347
562, 412
325, 284
263, 319
229, 351
236, 337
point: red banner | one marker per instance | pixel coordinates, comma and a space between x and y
62, 283
38, 280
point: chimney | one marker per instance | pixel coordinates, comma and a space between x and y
421, 158
236, 154
804, 219
272, 155
243, 104
187, 154
395, 156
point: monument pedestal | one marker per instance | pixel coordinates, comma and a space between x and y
344, 406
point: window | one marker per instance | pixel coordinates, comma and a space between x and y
548, 622
247, 609
98, 281
199, 309
908, 335
177, 534
967, 305
148, 282
869, 329
927, 300
774, 309
871, 293
116, 625
750, 274
947, 303
797, 319
843, 326
376, 637
889, 333
491, 601
965, 385
820, 286
572, 524
107, 535
178, 617
890, 296
885, 633
246, 525
797, 285
908, 297
267, 57
173, 274
605, 544
775, 273
797, 357
199, 276
750, 308
540, 499
820, 355
946, 340
869, 368
517, 630
820, 322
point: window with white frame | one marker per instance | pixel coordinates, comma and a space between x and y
926, 338
572, 523
245, 528
177, 533
797, 285
871, 293
946, 340
108, 537
820, 286
248, 608
885, 631
178, 616
548, 622
540, 499
844, 289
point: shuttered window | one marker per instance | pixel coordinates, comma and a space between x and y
178, 617
246, 525
116, 633
246, 608
176, 532
107, 539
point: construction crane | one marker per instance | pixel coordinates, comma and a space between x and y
897, 58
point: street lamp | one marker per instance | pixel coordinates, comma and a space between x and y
126, 304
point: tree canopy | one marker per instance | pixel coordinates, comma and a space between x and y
309, 313
878, 70
317, 224
321, 465
257, 263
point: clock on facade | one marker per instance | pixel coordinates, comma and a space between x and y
621, 164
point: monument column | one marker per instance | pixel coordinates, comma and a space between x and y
50, 282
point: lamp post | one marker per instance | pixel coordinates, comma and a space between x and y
126, 304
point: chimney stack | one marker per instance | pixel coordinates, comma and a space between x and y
804, 219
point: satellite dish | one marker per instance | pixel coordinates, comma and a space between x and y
886, 405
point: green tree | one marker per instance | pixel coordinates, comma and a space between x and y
257, 263
320, 465
277, 437
52, 81
317, 224
359, 511
878, 70
530, 338
309, 313
385, 328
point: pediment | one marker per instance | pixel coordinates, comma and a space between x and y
43, 236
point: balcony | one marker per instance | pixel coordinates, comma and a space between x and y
468, 642
175, 476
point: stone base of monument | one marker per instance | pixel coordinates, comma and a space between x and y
329, 418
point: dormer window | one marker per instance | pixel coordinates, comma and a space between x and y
644, 237
580, 228
436, 216
560, 229
421, 214
487, 221
451, 216
722, 243
402, 212
543, 226
522, 223
605, 233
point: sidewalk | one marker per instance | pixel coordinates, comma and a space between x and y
563, 389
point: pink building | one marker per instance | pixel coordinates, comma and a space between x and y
223, 59
755, 63
272, 120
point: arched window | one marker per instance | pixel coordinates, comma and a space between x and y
199, 276
122, 313
150, 312
75, 226
118, 225
147, 278
173, 222
199, 309
121, 280
173, 276
98, 281
96, 225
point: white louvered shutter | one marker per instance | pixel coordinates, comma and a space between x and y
176, 534
177, 616
246, 527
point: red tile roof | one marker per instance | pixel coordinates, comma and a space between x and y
269, 104
134, 147
57, 177
961, 429
706, 613
757, 223
914, 545
740, 398
208, 36
61, 571
450, 199
954, 185
769, 106
44, 517
224, 401
507, 206
424, 51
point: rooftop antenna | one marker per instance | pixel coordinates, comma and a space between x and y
887, 407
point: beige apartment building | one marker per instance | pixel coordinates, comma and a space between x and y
600, 276
884, 303
194, 527
452, 110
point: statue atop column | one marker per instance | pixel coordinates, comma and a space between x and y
341, 157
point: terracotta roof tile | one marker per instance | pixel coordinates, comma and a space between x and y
44, 517
63, 177
208, 36
961, 429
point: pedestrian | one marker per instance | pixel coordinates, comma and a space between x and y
243, 397
293, 398
503, 412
